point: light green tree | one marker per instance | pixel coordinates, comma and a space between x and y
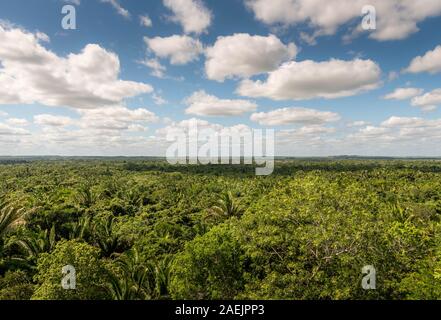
90, 273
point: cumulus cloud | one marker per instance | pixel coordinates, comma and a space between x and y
52, 121
159, 100
429, 62
107, 119
8, 130
116, 118
76, 2
372, 132
359, 123
396, 19
145, 21
137, 128
403, 94
310, 135
306, 137
201, 130
192, 15
309, 79
306, 131
405, 135
32, 74
243, 55
88, 82
183, 126
157, 69
88, 142
179, 49
202, 104
291, 116
17, 122
120, 10
407, 122
95, 132
428, 101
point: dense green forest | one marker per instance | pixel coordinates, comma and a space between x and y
139, 229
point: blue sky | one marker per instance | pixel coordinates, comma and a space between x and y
334, 112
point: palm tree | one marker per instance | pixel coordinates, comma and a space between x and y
118, 288
86, 196
134, 197
132, 280
161, 277
226, 207
10, 217
31, 245
81, 229
104, 236
139, 280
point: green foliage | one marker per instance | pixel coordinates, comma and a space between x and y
226, 208
136, 279
143, 229
104, 236
210, 267
131, 279
11, 217
30, 245
86, 196
425, 282
16, 286
90, 272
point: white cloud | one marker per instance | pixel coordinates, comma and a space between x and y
243, 55
89, 141
16, 122
75, 2
305, 137
117, 118
88, 135
393, 75
192, 15
203, 128
428, 101
107, 119
202, 104
120, 10
309, 79
42, 37
290, 116
3, 114
315, 129
137, 128
407, 122
372, 131
157, 69
179, 49
402, 135
429, 62
358, 124
184, 125
396, 136
52, 121
396, 19
7, 130
145, 21
309, 135
403, 94
32, 74
158, 99
104, 131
